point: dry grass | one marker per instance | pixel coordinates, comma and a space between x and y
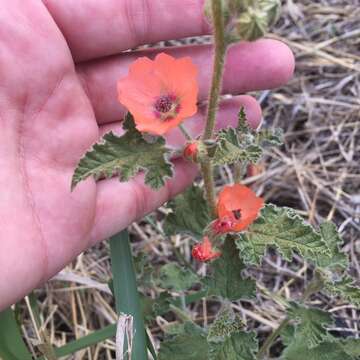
317, 172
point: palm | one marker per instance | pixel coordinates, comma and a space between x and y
48, 122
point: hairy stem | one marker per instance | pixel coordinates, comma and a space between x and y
209, 185
218, 69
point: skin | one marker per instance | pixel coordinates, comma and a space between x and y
59, 63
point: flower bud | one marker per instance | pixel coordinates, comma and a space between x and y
247, 19
204, 251
191, 151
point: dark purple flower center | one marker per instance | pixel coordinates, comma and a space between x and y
164, 103
166, 107
237, 214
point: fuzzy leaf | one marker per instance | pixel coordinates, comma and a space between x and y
336, 258
312, 324
224, 325
298, 350
344, 288
283, 229
352, 347
189, 345
269, 137
190, 214
238, 346
232, 148
126, 156
174, 277
227, 280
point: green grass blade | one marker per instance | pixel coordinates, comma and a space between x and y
125, 289
12, 346
110, 331
86, 341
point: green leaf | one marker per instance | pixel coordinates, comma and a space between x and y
312, 324
238, 346
189, 345
12, 346
298, 350
224, 325
190, 214
243, 124
283, 229
227, 280
232, 148
152, 308
174, 277
352, 347
143, 269
335, 259
344, 288
126, 156
269, 137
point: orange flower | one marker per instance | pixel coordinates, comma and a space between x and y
204, 251
237, 207
160, 94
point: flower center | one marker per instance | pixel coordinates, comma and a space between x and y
164, 103
166, 107
237, 214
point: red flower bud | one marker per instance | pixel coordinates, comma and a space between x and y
204, 251
190, 151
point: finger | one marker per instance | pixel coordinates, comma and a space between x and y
119, 204
96, 28
227, 116
258, 65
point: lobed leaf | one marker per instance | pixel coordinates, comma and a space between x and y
238, 346
232, 148
224, 325
311, 325
298, 350
227, 280
191, 344
174, 277
344, 288
335, 258
283, 229
190, 213
125, 156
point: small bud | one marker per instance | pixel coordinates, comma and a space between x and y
204, 251
191, 151
247, 19
254, 169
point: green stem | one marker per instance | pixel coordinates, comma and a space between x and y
209, 185
315, 286
271, 338
218, 69
185, 132
126, 293
237, 172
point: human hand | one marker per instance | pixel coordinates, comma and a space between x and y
58, 95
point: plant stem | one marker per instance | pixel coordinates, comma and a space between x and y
126, 293
209, 185
216, 82
314, 286
185, 132
218, 67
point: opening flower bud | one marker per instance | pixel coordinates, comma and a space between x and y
204, 251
